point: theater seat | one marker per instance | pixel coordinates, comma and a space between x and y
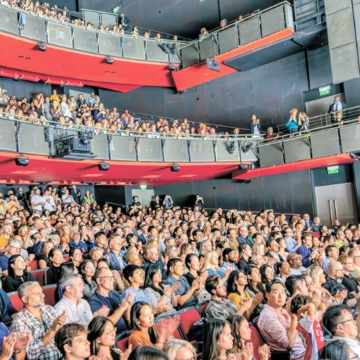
202, 308
49, 292
123, 341
188, 317
39, 275
34, 265
15, 301
256, 340
66, 257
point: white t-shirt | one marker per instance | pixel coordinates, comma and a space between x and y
37, 199
49, 205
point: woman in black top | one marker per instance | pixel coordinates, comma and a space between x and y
17, 274
44, 261
193, 265
52, 276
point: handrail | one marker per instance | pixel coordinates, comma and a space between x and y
159, 56
101, 130
319, 120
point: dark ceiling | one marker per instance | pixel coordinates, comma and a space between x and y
181, 17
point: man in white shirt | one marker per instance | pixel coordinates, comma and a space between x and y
340, 323
37, 201
49, 201
77, 309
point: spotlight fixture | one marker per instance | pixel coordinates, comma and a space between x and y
103, 166
22, 160
109, 60
165, 48
230, 145
173, 67
246, 148
175, 167
42, 47
355, 155
242, 167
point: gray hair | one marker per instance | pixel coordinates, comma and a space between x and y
24, 288
68, 280
14, 242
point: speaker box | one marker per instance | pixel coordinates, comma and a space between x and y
212, 64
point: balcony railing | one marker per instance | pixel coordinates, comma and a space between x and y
251, 28
19, 22
39, 138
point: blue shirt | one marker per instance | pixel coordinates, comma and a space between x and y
81, 244
305, 253
4, 262
97, 301
213, 272
291, 244
140, 295
161, 266
183, 289
4, 331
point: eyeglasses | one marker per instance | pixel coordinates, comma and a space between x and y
342, 322
350, 263
108, 278
356, 356
310, 284
14, 247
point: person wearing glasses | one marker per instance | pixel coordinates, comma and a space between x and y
352, 284
338, 349
295, 262
14, 248
340, 323
334, 283
105, 296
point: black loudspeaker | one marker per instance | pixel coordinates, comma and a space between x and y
104, 166
212, 64
175, 167
22, 161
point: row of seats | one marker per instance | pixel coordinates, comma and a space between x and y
34, 264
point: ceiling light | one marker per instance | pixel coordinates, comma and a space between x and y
104, 166
22, 161
109, 60
42, 47
175, 167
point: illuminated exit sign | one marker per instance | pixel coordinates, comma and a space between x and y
324, 90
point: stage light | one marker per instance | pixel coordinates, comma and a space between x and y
246, 148
242, 167
230, 145
22, 161
42, 47
109, 60
104, 166
175, 167
165, 48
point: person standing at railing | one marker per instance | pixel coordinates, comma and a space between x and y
303, 121
335, 107
292, 123
124, 21
38, 103
255, 125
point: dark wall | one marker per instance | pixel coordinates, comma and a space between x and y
24, 88
181, 17
70, 4
110, 194
289, 193
320, 177
352, 89
356, 173
268, 91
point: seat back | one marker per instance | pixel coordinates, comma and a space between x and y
66, 257
187, 320
39, 275
49, 292
256, 340
123, 344
15, 301
203, 307
34, 265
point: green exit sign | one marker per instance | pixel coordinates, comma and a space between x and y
332, 169
324, 90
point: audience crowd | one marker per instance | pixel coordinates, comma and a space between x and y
294, 281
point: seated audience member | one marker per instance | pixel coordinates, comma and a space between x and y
152, 256
217, 340
338, 349
308, 325
7, 233
212, 265
296, 285
335, 273
295, 262
118, 282
315, 227
245, 253
351, 284
291, 244
266, 273
237, 293
105, 296
219, 307
44, 261
17, 274
52, 275
229, 260
255, 285
355, 254
273, 251
115, 256
76, 256
134, 275
270, 136
241, 332
7, 310
76, 242
87, 271
143, 330
185, 295
331, 253
340, 323
283, 271
277, 326
340, 239
40, 321
13, 248
162, 298
71, 340
77, 310
177, 349
96, 254
101, 335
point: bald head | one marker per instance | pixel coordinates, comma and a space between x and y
335, 269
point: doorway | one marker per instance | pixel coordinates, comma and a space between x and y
336, 202
145, 196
